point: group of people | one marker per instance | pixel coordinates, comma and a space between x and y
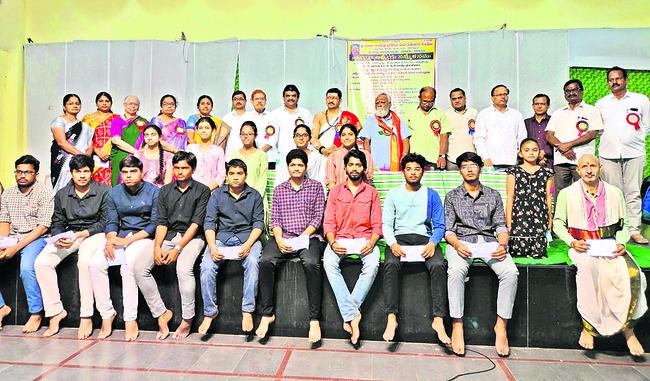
172, 202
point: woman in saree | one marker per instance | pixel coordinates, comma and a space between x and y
125, 131
219, 135
70, 137
101, 121
174, 131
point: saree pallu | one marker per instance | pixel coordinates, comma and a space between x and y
610, 290
101, 141
59, 158
174, 132
218, 136
129, 131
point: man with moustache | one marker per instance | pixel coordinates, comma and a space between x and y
234, 119
315, 165
462, 122
429, 130
327, 124
610, 285
413, 216
626, 123
384, 135
353, 211
285, 118
572, 130
25, 216
267, 137
499, 131
536, 128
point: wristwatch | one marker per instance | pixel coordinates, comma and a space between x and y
177, 247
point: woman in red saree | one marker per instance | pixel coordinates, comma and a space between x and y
101, 121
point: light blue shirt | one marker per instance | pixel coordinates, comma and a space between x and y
404, 212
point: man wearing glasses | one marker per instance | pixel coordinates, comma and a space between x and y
429, 130
25, 216
235, 119
572, 130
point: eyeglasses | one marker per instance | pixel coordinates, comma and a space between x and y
574, 90
469, 166
20, 173
239, 99
301, 135
169, 104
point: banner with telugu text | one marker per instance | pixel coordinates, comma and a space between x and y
398, 68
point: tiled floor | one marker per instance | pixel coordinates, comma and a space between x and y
228, 357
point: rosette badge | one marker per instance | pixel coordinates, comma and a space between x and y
471, 126
633, 119
269, 131
435, 127
582, 126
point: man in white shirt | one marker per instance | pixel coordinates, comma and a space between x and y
572, 130
285, 117
462, 120
267, 137
626, 119
499, 131
234, 119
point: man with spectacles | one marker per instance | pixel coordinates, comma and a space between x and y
234, 119
25, 216
428, 130
499, 131
315, 166
536, 128
267, 137
462, 121
572, 130
413, 217
626, 124
476, 228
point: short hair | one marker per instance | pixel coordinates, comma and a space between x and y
306, 127
297, 154
67, 97
497, 86
386, 95
617, 68
168, 96
572, 81
202, 97
540, 95
355, 153
457, 89
413, 158
80, 161
237, 163
257, 91
131, 162
238, 92
30, 160
425, 88
469, 156
336, 91
291, 88
185, 156
131, 96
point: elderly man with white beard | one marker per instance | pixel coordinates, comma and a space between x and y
384, 136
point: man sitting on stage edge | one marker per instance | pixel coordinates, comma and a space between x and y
413, 216
297, 211
610, 285
474, 214
235, 217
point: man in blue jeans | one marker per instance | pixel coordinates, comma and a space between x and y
235, 217
25, 215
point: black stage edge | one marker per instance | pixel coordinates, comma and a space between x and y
545, 313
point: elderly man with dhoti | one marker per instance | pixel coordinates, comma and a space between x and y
591, 217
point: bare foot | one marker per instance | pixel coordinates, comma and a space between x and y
263, 328
4, 311
346, 327
85, 328
205, 325
55, 320
107, 328
391, 326
314, 331
247, 322
131, 330
638, 238
163, 325
501, 342
633, 343
183, 329
586, 340
439, 326
457, 337
354, 324
33, 324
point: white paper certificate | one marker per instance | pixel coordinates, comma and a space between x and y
601, 247
6, 242
352, 245
298, 243
230, 252
120, 258
483, 250
413, 254
65, 235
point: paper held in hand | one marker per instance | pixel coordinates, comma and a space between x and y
601, 247
120, 258
6, 242
483, 250
230, 252
298, 243
66, 235
413, 253
352, 245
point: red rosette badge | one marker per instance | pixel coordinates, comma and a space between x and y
633, 119
582, 126
435, 127
269, 131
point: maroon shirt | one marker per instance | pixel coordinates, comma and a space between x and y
537, 131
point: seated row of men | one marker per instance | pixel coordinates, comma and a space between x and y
138, 226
